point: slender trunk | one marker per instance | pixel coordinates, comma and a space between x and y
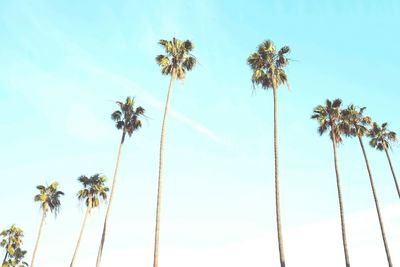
371, 179
160, 172
394, 175
38, 238
103, 236
346, 253
277, 192
5, 257
82, 229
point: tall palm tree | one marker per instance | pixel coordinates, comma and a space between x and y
93, 191
381, 139
127, 119
49, 198
355, 124
268, 71
12, 242
329, 118
176, 62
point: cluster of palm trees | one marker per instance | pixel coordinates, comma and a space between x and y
176, 61
268, 67
351, 122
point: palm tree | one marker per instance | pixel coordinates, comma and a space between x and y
329, 118
12, 242
49, 198
268, 72
127, 119
355, 124
93, 191
176, 62
381, 139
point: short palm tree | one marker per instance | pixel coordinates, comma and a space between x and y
49, 198
381, 139
329, 118
12, 242
176, 62
268, 66
355, 124
93, 191
127, 119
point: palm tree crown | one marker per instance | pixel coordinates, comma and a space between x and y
49, 198
178, 58
268, 65
93, 190
354, 123
329, 117
12, 242
127, 118
12, 237
381, 137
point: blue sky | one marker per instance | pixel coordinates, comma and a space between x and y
64, 63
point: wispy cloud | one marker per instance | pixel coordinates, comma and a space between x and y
127, 85
122, 82
198, 127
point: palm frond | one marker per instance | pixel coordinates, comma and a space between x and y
166, 70
284, 50
336, 103
162, 60
139, 111
41, 187
266, 50
392, 136
188, 63
180, 73
120, 125
255, 61
188, 45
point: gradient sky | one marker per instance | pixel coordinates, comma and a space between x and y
64, 63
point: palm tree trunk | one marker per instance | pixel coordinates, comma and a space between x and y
160, 172
5, 257
38, 238
277, 191
81, 233
103, 236
376, 203
346, 253
394, 175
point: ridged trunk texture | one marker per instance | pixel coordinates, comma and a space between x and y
394, 174
371, 179
346, 253
161, 172
38, 238
277, 191
103, 237
88, 209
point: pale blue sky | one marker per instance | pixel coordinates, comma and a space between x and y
62, 64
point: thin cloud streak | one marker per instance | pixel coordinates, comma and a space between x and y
127, 84
124, 82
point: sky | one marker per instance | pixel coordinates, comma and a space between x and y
63, 64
